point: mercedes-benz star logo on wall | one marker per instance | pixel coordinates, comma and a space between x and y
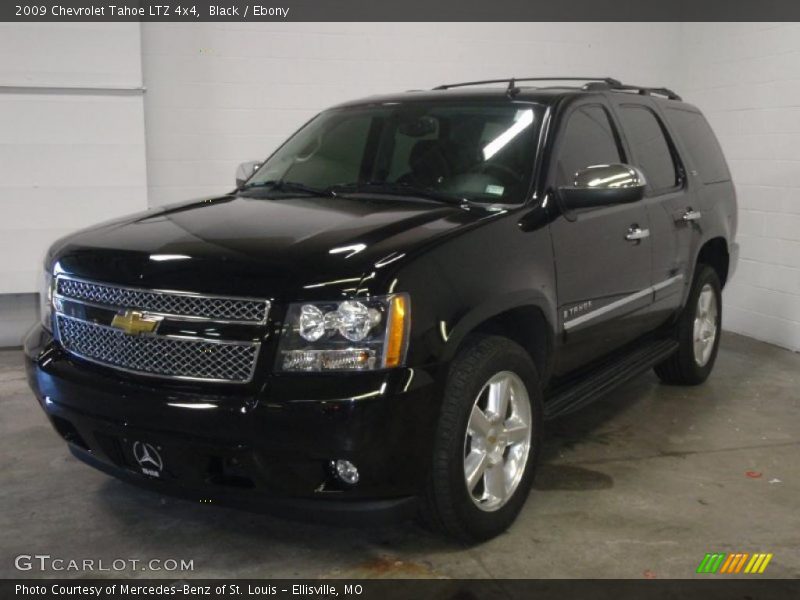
148, 458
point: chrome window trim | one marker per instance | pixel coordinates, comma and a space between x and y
107, 365
267, 303
599, 312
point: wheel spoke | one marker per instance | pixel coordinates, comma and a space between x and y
511, 467
516, 433
479, 424
474, 467
698, 351
499, 393
705, 302
494, 482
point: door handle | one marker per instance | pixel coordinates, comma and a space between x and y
691, 215
636, 233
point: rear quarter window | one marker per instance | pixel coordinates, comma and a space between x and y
701, 144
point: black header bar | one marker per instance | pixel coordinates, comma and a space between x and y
710, 588
398, 10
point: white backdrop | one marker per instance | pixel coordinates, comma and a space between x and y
746, 78
71, 136
221, 93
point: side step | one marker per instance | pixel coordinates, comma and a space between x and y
575, 393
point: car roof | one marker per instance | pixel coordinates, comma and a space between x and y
549, 95
509, 90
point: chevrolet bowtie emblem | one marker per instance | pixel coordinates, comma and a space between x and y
134, 322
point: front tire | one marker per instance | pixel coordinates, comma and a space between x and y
698, 331
487, 442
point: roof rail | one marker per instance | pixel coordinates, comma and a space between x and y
512, 80
593, 83
644, 91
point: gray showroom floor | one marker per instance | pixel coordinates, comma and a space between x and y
642, 484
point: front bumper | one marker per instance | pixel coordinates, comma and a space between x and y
264, 447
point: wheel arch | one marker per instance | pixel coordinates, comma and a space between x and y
714, 253
525, 324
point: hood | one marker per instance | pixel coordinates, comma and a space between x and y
257, 246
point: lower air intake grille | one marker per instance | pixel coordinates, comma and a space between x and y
159, 355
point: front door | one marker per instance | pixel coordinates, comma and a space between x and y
602, 255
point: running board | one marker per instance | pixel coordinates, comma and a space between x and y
577, 392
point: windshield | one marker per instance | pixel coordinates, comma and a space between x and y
483, 153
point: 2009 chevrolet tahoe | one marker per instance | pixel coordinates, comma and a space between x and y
382, 313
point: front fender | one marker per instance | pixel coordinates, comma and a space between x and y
470, 279
494, 308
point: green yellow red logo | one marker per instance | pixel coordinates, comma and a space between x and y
737, 562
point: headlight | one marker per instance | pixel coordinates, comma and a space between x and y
353, 335
46, 300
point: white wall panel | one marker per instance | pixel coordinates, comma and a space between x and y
70, 55
746, 78
71, 137
18, 313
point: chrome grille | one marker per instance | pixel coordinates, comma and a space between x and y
159, 355
180, 304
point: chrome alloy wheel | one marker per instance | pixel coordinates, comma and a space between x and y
705, 325
497, 442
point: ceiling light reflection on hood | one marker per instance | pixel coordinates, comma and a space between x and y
350, 250
163, 257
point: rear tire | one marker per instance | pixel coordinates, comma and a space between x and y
698, 333
484, 461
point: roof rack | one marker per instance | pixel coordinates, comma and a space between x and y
593, 83
644, 91
513, 90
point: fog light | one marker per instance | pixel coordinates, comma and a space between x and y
345, 471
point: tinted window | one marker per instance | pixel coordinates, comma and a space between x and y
334, 156
588, 140
650, 148
701, 143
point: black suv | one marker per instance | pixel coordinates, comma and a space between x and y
380, 316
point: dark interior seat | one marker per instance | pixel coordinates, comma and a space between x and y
429, 164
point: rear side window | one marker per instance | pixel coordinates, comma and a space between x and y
650, 147
701, 143
588, 139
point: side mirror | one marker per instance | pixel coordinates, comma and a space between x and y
245, 171
603, 185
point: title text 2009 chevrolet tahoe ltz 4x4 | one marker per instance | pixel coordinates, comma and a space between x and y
381, 315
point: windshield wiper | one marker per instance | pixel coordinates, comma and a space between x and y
287, 186
398, 189
379, 187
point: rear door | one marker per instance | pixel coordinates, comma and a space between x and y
603, 277
671, 204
